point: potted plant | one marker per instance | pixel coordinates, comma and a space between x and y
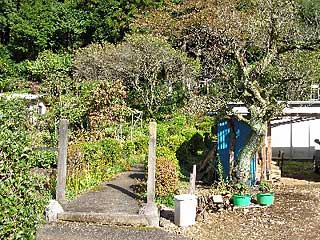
266, 195
241, 198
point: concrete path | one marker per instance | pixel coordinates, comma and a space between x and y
99, 214
114, 202
116, 196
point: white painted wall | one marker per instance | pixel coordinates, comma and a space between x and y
303, 135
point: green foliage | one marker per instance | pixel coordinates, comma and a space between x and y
220, 170
22, 193
30, 27
43, 159
311, 12
91, 163
52, 71
9, 72
222, 188
166, 177
264, 186
241, 188
156, 75
167, 200
184, 139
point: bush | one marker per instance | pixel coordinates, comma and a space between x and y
91, 163
43, 159
22, 193
112, 150
166, 177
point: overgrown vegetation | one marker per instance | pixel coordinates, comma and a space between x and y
181, 59
23, 193
250, 52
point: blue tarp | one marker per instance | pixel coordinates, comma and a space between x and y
242, 131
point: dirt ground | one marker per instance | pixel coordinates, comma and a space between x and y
294, 215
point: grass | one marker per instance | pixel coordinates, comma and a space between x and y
302, 170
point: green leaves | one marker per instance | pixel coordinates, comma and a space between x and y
30, 27
22, 193
311, 12
158, 77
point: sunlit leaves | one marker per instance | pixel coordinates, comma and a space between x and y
155, 74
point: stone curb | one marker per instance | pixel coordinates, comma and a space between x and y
104, 218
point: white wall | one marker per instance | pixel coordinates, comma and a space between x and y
303, 135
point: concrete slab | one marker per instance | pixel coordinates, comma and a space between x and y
122, 219
83, 231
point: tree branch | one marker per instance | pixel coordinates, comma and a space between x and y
304, 46
241, 118
243, 63
253, 88
266, 61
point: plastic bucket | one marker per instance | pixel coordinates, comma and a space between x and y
185, 208
241, 200
265, 198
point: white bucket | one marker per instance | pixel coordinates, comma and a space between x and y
185, 207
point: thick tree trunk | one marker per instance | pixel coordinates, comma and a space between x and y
233, 140
249, 150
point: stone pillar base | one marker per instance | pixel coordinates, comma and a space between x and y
152, 214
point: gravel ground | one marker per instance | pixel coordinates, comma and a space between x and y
294, 215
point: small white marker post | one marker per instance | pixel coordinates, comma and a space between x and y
193, 176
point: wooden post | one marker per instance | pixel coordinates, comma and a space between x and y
282, 159
269, 153
291, 139
151, 163
193, 176
263, 162
62, 160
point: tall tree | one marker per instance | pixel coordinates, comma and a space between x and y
251, 50
157, 76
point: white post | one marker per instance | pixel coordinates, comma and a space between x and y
193, 176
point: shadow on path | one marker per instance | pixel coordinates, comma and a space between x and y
123, 190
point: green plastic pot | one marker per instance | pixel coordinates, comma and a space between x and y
265, 199
241, 200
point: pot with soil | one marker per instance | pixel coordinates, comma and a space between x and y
266, 196
241, 198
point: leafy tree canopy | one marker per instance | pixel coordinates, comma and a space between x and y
251, 51
156, 75
29, 27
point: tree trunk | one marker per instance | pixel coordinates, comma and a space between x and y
249, 150
233, 142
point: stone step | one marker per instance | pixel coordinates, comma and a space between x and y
123, 219
85, 231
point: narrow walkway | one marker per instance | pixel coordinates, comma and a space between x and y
110, 212
116, 196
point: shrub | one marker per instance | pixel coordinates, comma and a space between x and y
43, 159
166, 177
22, 193
91, 163
112, 149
